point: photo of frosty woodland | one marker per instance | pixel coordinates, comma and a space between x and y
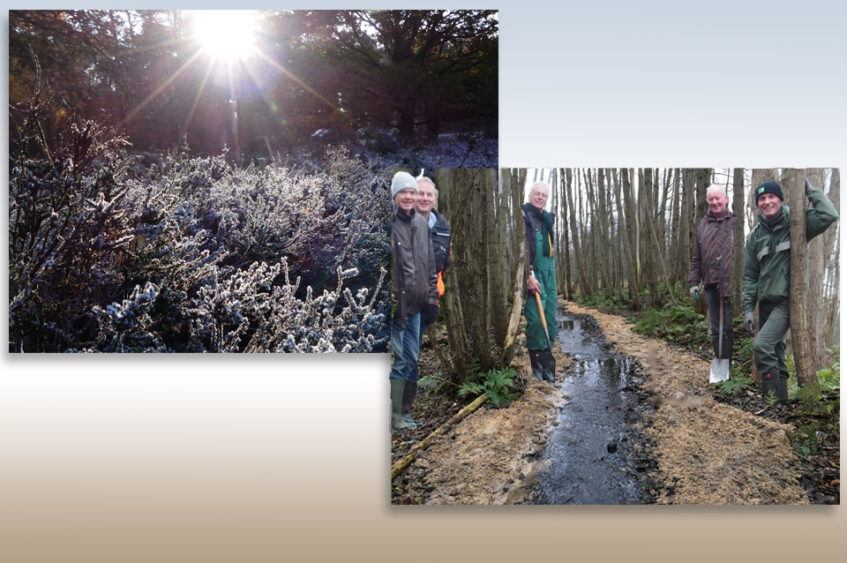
622, 336
220, 181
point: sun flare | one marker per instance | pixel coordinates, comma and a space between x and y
225, 34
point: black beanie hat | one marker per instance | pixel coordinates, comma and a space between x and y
769, 187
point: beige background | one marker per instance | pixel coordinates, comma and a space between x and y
285, 459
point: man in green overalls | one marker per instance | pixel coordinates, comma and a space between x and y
542, 278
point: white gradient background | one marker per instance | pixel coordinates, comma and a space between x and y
245, 458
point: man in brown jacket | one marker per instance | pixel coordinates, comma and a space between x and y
711, 266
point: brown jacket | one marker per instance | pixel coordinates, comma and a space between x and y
712, 241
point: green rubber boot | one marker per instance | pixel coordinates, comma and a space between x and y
770, 385
410, 390
536, 363
397, 422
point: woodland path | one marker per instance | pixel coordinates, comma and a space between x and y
704, 452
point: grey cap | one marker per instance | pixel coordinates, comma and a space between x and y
403, 181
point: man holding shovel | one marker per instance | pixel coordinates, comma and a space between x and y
540, 311
767, 277
710, 273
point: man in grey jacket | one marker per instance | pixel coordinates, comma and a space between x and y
415, 291
711, 266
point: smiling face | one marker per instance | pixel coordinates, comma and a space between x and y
769, 205
717, 203
425, 200
538, 198
405, 199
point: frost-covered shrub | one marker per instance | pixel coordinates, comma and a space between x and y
111, 252
250, 311
68, 227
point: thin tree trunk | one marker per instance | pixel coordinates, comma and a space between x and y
814, 287
738, 234
563, 234
632, 239
831, 257
575, 238
674, 234
803, 359
685, 216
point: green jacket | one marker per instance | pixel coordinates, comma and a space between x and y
767, 259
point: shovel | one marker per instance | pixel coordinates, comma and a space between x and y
720, 366
548, 362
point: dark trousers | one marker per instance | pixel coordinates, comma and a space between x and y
713, 300
769, 347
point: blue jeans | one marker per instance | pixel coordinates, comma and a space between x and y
406, 346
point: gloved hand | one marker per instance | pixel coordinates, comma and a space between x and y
428, 314
695, 291
749, 323
809, 187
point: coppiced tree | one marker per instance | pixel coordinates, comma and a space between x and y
473, 302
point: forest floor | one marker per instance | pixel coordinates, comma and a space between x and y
702, 449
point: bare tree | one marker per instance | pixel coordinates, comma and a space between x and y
792, 183
738, 234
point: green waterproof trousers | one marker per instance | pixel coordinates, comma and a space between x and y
544, 268
769, 347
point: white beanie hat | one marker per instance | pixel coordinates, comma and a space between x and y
402, 181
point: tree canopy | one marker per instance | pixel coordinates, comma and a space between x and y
151, 75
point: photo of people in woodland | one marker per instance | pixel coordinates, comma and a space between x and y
617, 336
219, 181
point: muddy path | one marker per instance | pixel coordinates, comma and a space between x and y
595, 452
668, 440
707, 452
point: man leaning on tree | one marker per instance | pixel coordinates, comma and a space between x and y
767, 277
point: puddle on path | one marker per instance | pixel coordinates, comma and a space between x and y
586, 452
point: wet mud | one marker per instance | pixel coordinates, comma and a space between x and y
595, 453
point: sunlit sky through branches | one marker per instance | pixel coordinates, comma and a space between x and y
225, 34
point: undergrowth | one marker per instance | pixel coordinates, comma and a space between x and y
497, 384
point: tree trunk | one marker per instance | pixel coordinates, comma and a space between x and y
674, 234
814, 287
686, 214
575, 240
648, 229
831, 257
738, 234
499, 256
565, 237
632, 239
796, 199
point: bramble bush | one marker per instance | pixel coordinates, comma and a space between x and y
118, 252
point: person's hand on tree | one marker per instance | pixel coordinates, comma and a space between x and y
809, 187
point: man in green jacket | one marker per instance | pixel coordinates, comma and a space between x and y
766, 281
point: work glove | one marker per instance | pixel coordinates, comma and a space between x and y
429, 313
809, 187
695, 291
749, 323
